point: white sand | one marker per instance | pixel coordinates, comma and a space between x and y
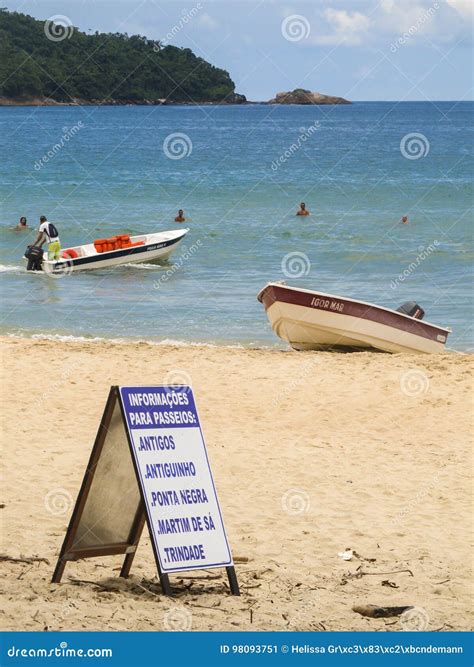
311, 453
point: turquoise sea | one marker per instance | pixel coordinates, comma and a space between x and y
244, 171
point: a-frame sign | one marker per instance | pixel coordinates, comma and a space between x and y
149, 463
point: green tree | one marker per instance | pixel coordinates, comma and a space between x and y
101, 66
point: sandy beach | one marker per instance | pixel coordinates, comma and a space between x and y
312, 453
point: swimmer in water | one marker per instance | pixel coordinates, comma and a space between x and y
303, 210
180, 217
22, 224
405, 219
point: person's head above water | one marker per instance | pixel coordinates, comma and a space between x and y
405, 219
303, 210
23, 221
180, 212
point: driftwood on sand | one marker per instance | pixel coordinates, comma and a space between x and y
28, 560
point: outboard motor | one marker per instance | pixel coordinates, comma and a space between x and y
34, 255
412, 309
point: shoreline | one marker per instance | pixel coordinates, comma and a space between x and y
46, 102
312, 453
165, 342
277, 346
34, 102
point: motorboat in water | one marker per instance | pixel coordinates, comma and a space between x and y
121, 249
310, 320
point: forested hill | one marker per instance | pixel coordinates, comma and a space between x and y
39, 61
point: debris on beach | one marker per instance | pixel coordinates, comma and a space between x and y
349, 554
360, 572
23, 559
369, 560
374, 611
241, 559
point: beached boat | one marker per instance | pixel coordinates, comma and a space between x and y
122, 249
310, 320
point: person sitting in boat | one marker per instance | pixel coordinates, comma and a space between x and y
180, 217
303, 210
48, 232
22, 224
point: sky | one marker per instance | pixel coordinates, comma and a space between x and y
358, 49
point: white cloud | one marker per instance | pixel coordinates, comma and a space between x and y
463, 7
207, 21
348, 28
413, 18
418, 21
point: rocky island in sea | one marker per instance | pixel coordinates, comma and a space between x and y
302, 96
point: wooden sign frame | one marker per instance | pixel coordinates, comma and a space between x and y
129, 547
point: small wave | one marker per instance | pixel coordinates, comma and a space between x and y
172, 342
167, 342
69, 338
147, 267
6, 268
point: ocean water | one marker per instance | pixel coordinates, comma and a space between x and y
241, 173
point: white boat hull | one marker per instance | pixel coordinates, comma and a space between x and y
325, 331
156, 247
306, 327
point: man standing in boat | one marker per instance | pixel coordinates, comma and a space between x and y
48, 232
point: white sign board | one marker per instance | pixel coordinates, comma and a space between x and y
185, 520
